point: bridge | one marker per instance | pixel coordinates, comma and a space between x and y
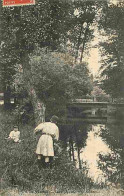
97, 112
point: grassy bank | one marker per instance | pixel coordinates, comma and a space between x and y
103, 192
19, 164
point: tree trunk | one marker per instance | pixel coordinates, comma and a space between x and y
38, 105
7, 97
78, 44
72, 146
79, 159
84, 42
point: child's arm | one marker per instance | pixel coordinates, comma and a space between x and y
10, 135
57, 134
39, 128
7, 138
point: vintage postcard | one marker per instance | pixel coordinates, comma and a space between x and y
62, 97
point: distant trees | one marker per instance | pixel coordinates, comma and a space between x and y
98, 94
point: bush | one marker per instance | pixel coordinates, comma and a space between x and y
19, 164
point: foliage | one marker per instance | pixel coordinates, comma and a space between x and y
48, 25
112, 163
81, 32
112, 64
99, 94
56, 82
19, 165
82, 83
23, 28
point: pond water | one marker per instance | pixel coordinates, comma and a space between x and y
88, 140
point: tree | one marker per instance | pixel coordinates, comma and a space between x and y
81, 81
22, 30
55, 81
81, 33
112, 69
99, 94
45, 25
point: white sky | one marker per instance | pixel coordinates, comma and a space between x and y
93, 61
94, 55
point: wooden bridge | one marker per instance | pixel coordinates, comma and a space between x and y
97, 112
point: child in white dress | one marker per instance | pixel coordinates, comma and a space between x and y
14, 135
50, 134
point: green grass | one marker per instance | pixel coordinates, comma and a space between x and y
103, 192
19, 164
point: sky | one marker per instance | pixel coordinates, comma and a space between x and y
93, 57
93, 61
94, 54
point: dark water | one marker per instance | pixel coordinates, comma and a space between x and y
100, 147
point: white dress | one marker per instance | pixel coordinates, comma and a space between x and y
45, 144
15, 135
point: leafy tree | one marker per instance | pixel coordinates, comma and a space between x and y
55, 81
112, 69
81, 33
45, 25
81, 81
22, 29
98, 94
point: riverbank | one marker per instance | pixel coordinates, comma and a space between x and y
21, 169
19, 166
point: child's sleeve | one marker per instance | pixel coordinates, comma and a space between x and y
39, 128
11, 134
57, 134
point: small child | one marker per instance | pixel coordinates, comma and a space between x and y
14, 135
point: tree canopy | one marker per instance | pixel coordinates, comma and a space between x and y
55, 81
112, 64
50, 25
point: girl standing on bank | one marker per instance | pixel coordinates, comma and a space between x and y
45, 146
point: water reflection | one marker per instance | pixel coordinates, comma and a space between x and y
94, 146
98, 140
88, 143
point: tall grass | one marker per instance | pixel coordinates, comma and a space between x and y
19, 164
